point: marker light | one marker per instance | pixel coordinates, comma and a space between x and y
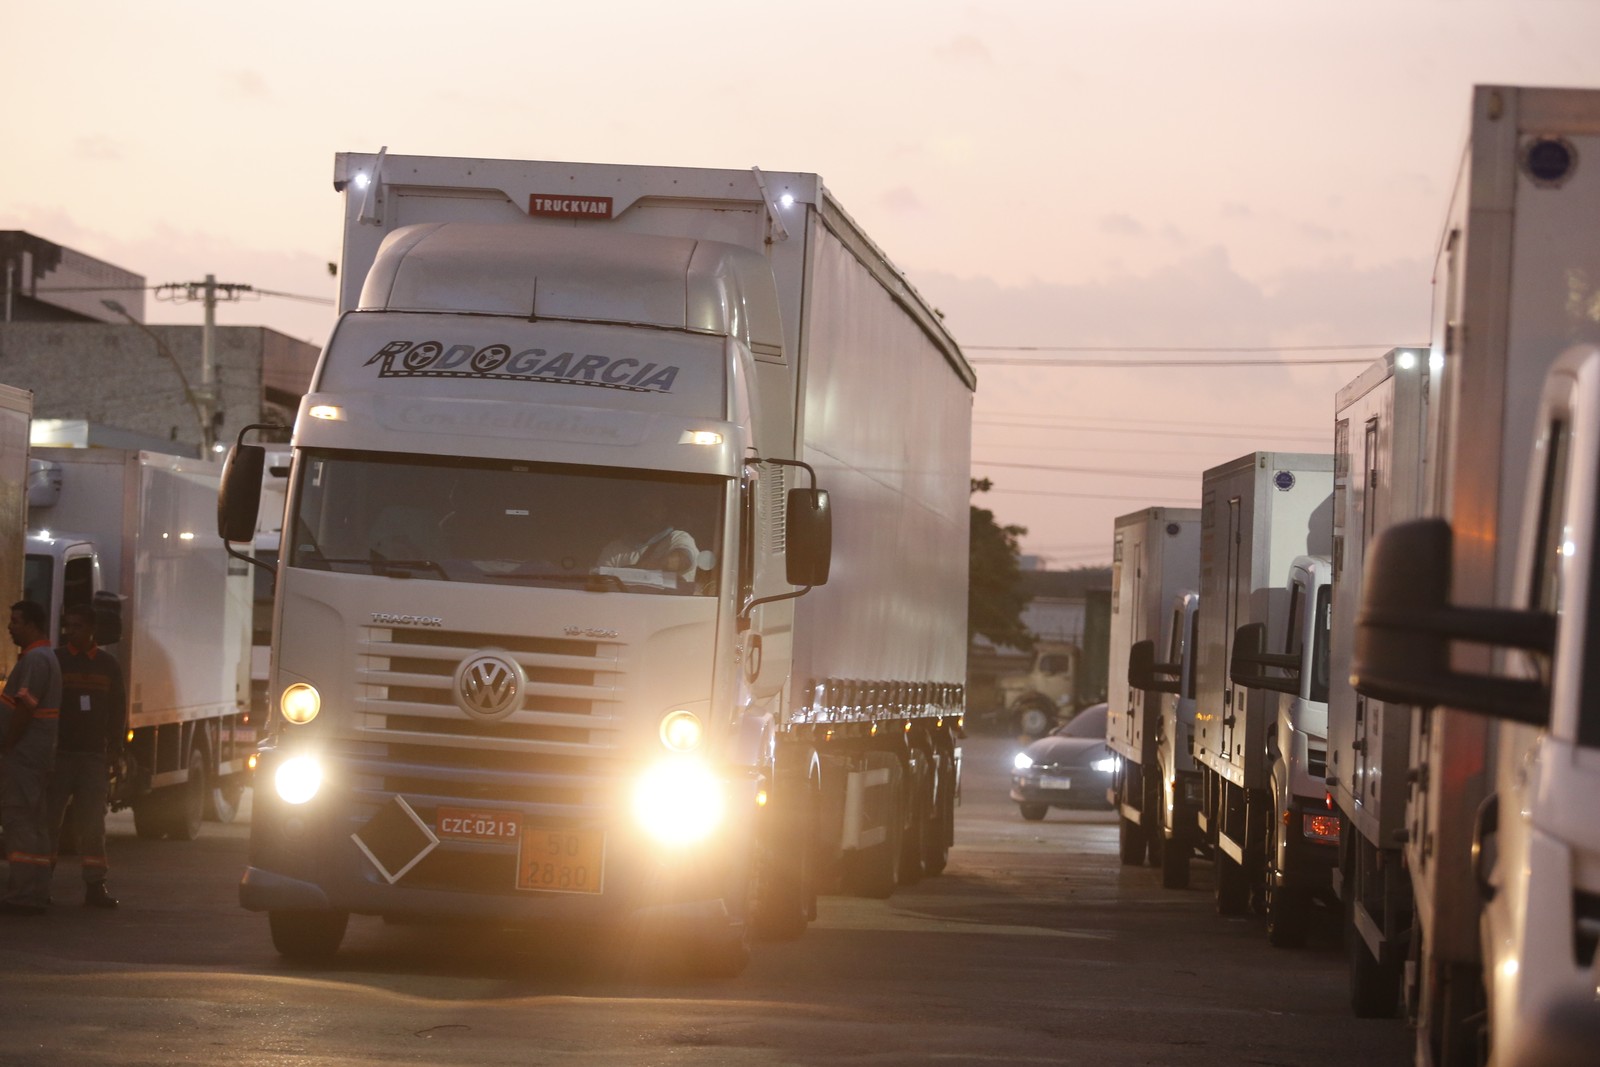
1406, 360
700, 437
681, 731
1436, 362
298, 779
187, 535
786, 200
1322, 827
1022, 761
329, 412
300, 703
678, 801
362, 180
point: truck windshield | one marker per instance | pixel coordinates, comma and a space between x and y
502, 523
36, 580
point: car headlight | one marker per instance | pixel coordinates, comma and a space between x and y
1105, 765
1022, 761
297, 779
679, 801
681, 730
300, 703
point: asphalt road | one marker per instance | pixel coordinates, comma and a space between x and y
1035, 947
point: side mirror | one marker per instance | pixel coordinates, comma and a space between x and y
1250, 660
1145, 673
239, 498
808, 537
1406, 624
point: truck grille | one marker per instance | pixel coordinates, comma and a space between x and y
556, 750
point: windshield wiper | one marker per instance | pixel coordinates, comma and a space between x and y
594, 583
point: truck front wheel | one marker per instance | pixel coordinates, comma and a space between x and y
307, 936
189, 801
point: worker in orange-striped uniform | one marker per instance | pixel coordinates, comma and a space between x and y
94, 716
29, 706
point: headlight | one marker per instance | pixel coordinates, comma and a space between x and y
678, 801
297, 779
1022, 761
300, 703
1105, 765
681, 731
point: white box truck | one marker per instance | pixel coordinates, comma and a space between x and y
1380, 432
1155, 560
16, 412
1266, 532
1483, 614
483, 710
131, 532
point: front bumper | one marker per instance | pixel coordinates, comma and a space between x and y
1087, 788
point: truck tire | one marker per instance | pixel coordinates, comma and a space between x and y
1233, 886
1034, 720
1288, 916
786, 890
152, 815
1131, 842
222, 802
189, 799
917, 823
1034, 812
936, 854
1175, 864
307, 936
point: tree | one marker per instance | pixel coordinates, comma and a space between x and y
995, 597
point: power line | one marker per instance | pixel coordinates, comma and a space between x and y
1088, 470
1246, 436
1075, 417
326, 301
1148, 349
1087, 496
1003, 361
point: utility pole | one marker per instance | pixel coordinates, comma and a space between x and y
209, 291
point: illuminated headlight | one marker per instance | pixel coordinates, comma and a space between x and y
1022, 761
1105, 765
681, 731
300, 703
298, 778
678, 801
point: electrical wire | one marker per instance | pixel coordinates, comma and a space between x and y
1175, 348
1123, 473
1004, 361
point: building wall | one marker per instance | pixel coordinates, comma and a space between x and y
115, 375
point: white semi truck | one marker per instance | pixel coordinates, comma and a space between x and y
1155, 559
129, 533
482, 711
16, 412
1483, 614
1266, 532
1380, 432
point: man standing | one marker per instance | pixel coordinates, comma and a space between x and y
28, 708
93, 718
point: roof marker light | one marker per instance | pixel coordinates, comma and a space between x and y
786, 200
1406, 360
362, 180
330, 412
700, 437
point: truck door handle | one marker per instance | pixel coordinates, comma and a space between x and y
1487, 825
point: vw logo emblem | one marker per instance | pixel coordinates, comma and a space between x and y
489, 685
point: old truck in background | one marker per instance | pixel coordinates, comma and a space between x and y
129, 533
476, 713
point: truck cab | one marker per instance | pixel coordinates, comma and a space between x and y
1035, 701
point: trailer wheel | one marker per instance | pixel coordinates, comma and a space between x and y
152, 815
307, 936
222, 802
918, 826
1034, 812
189, 799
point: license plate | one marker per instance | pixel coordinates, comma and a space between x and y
561, 861
467, 824
1050, 781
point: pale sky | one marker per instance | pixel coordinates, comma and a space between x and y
1121, 173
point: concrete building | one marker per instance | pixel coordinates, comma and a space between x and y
86, 361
